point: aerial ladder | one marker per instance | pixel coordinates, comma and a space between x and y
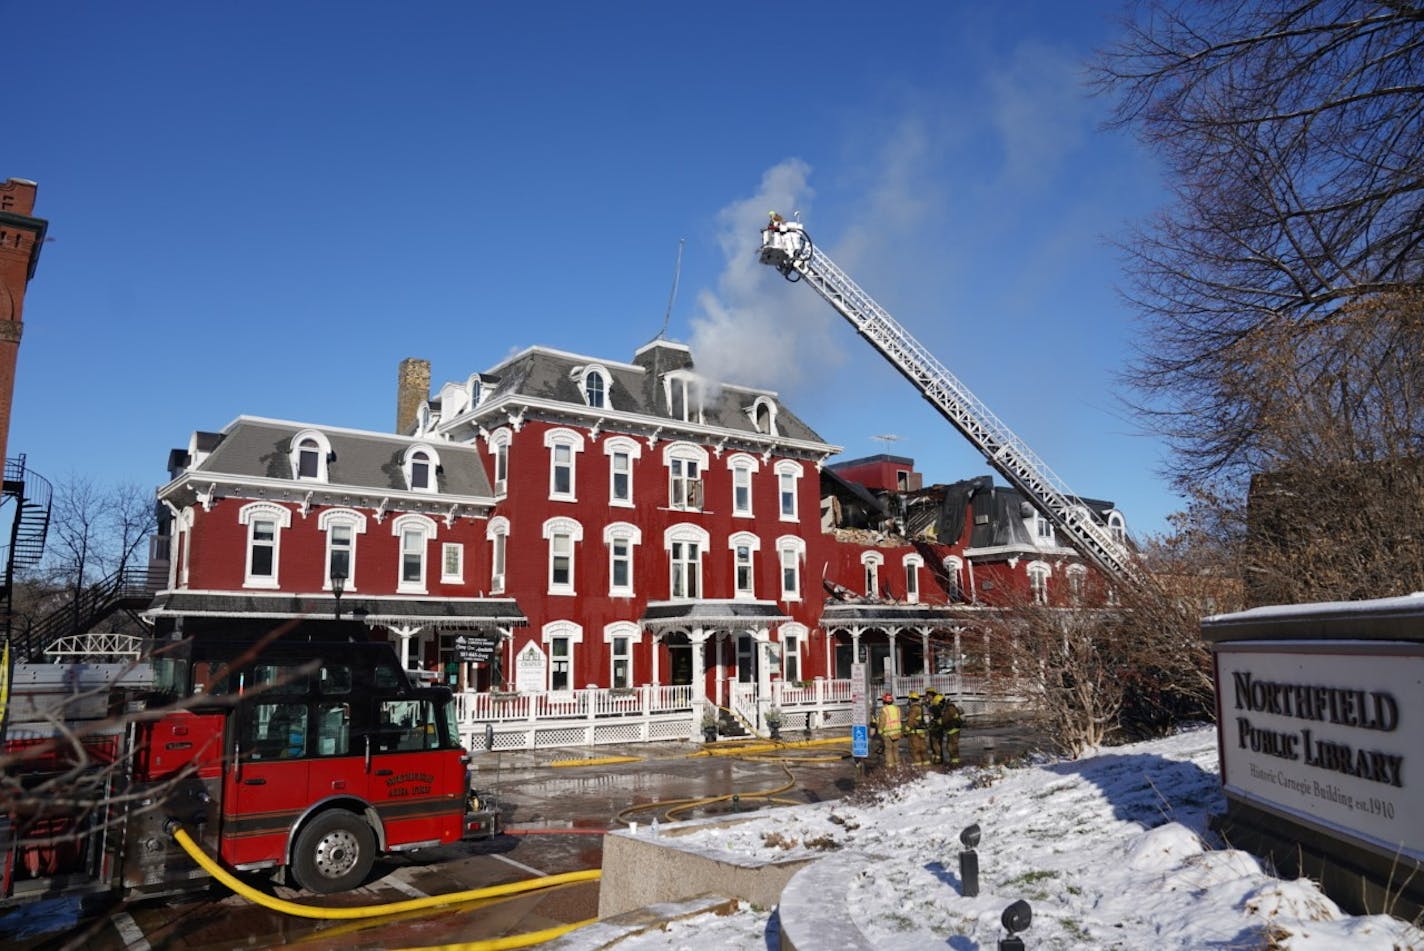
786, 246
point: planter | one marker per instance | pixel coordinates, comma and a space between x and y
709, 734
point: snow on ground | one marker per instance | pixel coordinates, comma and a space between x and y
1112, 851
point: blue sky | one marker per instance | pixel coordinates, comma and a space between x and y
263, 207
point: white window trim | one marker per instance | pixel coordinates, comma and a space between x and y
1043, 570
687, 532
426, 526
634, 449
500, 438
622, 629
323, 473
797, 546
954, 570
574, 440
687, 452
692, 385
282, 517
913, 563
1077, 582
562, 525
595, 369
432, 460
574, 632
324, 523
749, 464
499, 525
457, 577
633, 535
802, 633
1117, 527
873, 562
753, 543
185, 544
770, 404
788, 467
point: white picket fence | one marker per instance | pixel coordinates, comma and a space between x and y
603, 716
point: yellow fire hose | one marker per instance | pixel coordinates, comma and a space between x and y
209, 865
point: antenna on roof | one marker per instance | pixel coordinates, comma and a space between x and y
885, 439
676, 274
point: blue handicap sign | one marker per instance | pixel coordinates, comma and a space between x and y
860, 741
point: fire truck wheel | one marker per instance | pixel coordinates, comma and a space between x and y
334, 853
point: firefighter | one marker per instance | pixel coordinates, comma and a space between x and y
951, 720
887, 726
934, 724
915, 729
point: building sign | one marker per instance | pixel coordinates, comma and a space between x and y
475, 649
859, 711
530, 669
1332, 733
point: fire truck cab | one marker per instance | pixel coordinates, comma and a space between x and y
302, 757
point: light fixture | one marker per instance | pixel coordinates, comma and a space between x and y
1017, 917
338, 585
969, 862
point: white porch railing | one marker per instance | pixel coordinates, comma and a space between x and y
602, 716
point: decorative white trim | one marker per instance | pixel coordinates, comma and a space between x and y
323, 455
622, 530
794, 469
429, 531
562, 525
594, 369
915, 563
633, 535
685, 532
563, 437
770, 405
432, 475
281, 517
612, 446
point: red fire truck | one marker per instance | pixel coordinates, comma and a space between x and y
302, 757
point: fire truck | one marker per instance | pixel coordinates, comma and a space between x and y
306, 758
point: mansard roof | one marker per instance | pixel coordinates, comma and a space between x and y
549, 375
250, 447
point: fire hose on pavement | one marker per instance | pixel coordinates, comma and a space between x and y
211, 866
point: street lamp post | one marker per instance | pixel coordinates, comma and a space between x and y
338, 585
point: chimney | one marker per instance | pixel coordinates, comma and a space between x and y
412, 391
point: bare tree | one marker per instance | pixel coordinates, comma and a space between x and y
1294, 133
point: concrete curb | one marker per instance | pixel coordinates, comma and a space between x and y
814, 911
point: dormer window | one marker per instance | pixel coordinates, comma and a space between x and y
684, 396
593, 383
310, 454
763, 415
420, 466
1118, 527
475, 389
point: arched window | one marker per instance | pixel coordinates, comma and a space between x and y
742, 466
341, 527
872, 560
788, 478
790, 551
310, 454
420, 464
499, 449
415, 532
686, 462
561, 534
561, 637
595, 387
1038, 574
564, 445
621, 537
744, 547
621, 452
264, 521
1077, 582
954, 579
620, 636
913, 564
763, 415
685, 544
497, 533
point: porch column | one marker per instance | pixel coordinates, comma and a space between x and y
762, 637
925, 655
405, 634
721, 696
654, 642
855, 646
958, 663
699, 676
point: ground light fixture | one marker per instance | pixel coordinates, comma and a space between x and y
1017, 917
338, 586
969, 862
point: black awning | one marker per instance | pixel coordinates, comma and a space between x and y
713, 613
436, 612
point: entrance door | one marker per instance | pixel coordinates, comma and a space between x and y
746, 658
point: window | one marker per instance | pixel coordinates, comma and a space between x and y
1042, 529
763, 413
684, 396
793, 635
419, 465
913, 564
788, 475
562, 533
742, 466
620, 637
310, 451
953, 579
743, 544
790, 550
498, 535
341, 527
563, 445
264, 521
499, 448
561, 638
685, 464
1118, 527
595, 386
1077, 582
415, 532
452, 563
621, 452
620, 537
1038, 574
872, 561
685, 545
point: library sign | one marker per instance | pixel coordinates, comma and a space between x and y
1330, 732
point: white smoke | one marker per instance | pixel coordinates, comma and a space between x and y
753, 330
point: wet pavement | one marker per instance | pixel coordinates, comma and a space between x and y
555, 804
